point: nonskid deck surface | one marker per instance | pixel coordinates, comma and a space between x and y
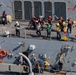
42, 46
51, 48
26, 32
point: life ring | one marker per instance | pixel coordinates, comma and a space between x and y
3, 53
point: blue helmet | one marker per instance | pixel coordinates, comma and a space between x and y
4, 11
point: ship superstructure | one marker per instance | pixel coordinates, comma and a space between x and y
25, 9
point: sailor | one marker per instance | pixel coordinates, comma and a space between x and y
41, 65
17, 27
65, 28
61, 60
58, 31
70, 23
50, 20
38, 29
44, 56
4, 19
41, 21
48, 29
34, 21
61, 22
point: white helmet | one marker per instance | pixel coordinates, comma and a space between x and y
16, 22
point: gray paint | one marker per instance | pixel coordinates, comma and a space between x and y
28, 10
18, 9
60, 9
51, 48
9, 6
37, 8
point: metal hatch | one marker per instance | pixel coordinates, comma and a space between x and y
18, 9
28, 10
37, 8
47, 9
60, 9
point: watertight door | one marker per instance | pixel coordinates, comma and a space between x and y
27, 10
47, 9
60, 9
18, 9
37, 9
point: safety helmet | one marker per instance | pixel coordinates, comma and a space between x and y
57, 24
74, 22
64, 23
4, 11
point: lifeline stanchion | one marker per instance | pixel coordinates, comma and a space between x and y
25, 32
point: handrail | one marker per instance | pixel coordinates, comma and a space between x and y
30, 65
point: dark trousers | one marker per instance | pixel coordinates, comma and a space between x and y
34, 24
60, 66
38, 32
17, 32
70, 28
58, 36
4, 20
61, 27
41, 25
48, 34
